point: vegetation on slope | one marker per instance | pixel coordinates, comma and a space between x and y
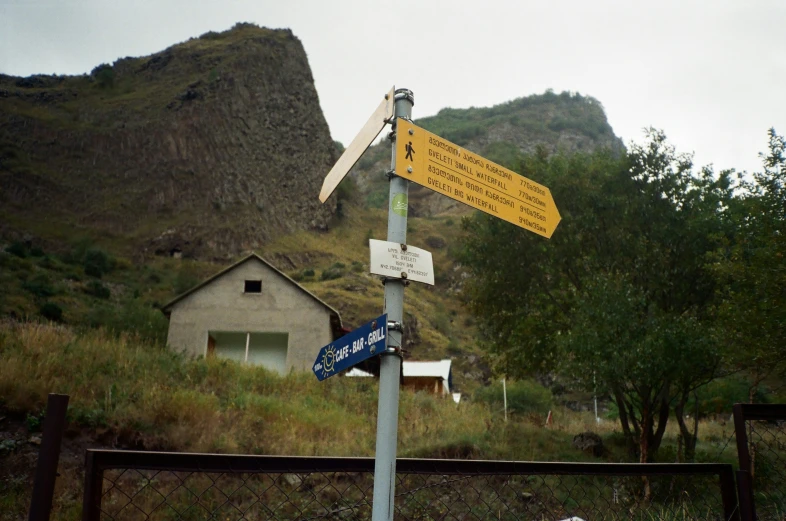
130, 393
639, 294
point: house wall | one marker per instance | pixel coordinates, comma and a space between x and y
222, 305
429, 384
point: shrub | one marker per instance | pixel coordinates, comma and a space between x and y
524, 396
97, 262
40, 286
33, 422
347, 190
96, 289
17, 248
104, 76
377, 199
77, 253
336, 271
185, 280
718, 396
133, 316
49, 262
146, 321
442, 323
51, 311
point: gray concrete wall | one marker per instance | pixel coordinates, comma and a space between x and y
222, 305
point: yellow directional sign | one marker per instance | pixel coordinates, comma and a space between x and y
445, 167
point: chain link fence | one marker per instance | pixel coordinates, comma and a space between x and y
125, 485
761, 445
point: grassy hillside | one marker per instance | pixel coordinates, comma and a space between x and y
130, 393
86, 286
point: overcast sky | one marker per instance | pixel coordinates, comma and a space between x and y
711, 74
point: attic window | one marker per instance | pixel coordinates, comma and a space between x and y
253, 286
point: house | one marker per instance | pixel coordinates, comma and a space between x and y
433, 377
252, 312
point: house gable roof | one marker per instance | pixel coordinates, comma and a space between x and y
167, 309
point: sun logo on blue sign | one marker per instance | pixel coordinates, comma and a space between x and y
328, 360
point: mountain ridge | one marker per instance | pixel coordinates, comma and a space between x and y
540, 123
219, 192
197, 148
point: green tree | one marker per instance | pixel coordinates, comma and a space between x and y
752, 266
622, 287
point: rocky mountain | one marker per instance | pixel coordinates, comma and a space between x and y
125, 187
209, 148
566, 122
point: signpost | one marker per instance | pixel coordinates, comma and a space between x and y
445, 167
364, 342
401, 261
435, 163
352, 153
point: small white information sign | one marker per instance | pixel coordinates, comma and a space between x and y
390, 259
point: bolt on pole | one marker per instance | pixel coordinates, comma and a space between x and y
390, 360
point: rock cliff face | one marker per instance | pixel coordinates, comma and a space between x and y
211, 147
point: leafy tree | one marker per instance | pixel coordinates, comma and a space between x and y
752, 266
622, 287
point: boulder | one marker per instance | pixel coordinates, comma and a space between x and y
589, 442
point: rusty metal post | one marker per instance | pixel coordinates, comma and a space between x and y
745, 493
94, 478
742, 438
48, 456
729, 494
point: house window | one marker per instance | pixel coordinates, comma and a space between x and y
265, 349
253, 286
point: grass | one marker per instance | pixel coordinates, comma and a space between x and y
173, 403
138, 393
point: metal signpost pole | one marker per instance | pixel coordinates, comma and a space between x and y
390, 361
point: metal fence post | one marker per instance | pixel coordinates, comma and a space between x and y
729, 494
742, 438
744, 476
745, 493
48, 456
94, 478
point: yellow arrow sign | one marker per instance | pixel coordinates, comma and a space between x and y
445, 167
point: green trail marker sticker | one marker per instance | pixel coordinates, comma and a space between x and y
399, 205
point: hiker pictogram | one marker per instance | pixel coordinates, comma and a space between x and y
409, 150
